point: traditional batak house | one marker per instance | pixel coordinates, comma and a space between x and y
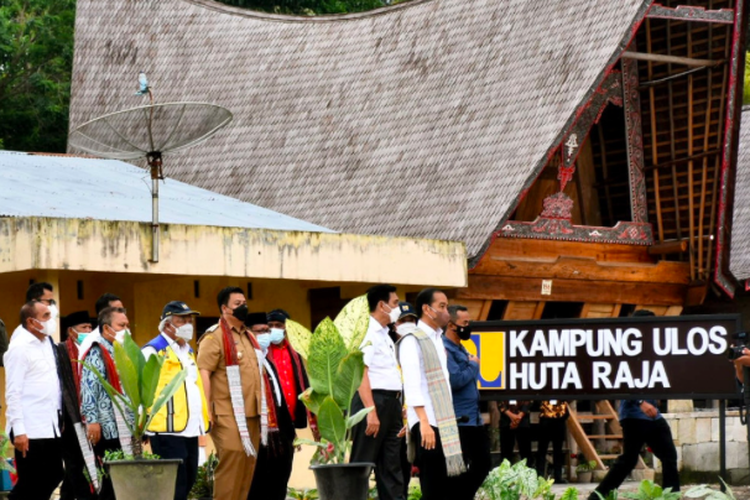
584, 151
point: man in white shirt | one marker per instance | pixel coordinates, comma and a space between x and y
430, 456
34, 404
175, 430
376, 439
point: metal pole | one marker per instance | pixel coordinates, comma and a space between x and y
154, 162
722, 441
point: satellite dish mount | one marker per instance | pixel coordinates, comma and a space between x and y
148, 132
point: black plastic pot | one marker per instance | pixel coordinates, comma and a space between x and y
343, 481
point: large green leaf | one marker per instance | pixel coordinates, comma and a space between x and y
331, 422
122, 403
299, 337
327, 349
129, 377
348, 379
150, 380
165, 395
358, 417
312, 400
134, 353
353, 320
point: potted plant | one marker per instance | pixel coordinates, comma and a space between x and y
335, 371
585, 470
133, 475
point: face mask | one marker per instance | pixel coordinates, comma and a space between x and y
240, 312
81, 337
394, 314
120, 336
464, 332
185, 331
54, 311
49, 328
264, 340
406, 328
441, 317
277, 335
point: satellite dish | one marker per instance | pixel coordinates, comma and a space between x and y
148, 132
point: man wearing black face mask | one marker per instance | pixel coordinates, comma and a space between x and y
230, 362
464, 371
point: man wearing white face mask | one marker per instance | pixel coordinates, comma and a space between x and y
34, 404
43, 292
175, 429
376, 439
106, 428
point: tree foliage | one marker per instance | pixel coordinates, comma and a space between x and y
308, 7
36, 56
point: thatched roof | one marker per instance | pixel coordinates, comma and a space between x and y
427, 119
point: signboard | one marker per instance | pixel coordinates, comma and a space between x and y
680, 357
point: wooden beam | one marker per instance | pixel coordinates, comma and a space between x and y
584, 270
582, 440
664, 58
690, 13
668, 247
564, 290
550, 250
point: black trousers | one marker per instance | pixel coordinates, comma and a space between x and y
508, 439
475, 447
384, 449
635, 433
184, 448
551, 430
75, 486
106, 492
40, 472
433, 474
272, 471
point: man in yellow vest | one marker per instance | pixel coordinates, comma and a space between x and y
174, 431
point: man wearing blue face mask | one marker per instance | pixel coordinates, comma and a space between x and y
174, 433
276, 452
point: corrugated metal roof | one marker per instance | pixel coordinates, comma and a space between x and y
80, 188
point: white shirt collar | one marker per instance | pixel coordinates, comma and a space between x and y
429, 330
376, 326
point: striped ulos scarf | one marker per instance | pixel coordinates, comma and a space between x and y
442, 403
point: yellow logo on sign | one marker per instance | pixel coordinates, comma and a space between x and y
489, 347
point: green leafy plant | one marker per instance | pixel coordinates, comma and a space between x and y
612, 495
204, 479
5, 447
352, 322
570, 493
306, 494
139, 380
703, 490
415, 492
586, 466
647, 490
299, 337
335, 372
516, 482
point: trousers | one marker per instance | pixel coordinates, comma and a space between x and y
433, 474
184, 448
508, 438
551, 430
383, 449
635, 433
234, 474
273, 470
475, 446
40, 471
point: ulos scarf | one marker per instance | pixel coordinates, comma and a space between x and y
268, 422
123, 432
442, 403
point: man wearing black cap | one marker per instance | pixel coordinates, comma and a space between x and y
75, 327
276, 452
175, 429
